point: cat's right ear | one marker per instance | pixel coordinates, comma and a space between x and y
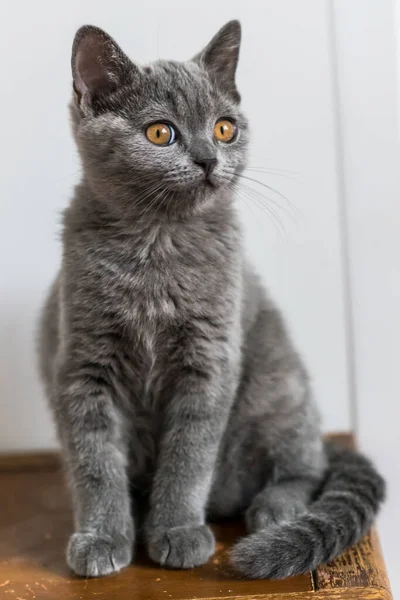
221, 56
99, 66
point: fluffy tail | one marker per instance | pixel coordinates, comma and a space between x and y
342, 514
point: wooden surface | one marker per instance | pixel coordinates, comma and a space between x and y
35, 522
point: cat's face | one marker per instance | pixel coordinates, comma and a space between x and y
167, 136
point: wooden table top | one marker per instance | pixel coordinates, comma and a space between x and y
36, 520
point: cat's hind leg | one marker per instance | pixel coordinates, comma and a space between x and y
273, 459
279, 502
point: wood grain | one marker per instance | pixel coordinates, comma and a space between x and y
36, 520
362, 566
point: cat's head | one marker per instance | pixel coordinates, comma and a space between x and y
166, 136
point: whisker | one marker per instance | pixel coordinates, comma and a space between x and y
272, 173
264, 208
263, 198
154, 201
248, 205
290, 204
140, 199
274, 169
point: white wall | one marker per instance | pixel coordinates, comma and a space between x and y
285, 76
369, 109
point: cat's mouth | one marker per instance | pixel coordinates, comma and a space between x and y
208, 183
197, 185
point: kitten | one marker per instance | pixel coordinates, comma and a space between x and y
176, 390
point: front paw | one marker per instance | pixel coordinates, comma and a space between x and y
181, 547
92, 555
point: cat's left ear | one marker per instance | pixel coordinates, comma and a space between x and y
99, 66
220, 58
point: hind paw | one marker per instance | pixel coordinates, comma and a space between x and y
263, 514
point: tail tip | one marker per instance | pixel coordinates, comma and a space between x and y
261, 556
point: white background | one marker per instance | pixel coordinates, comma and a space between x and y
318, 81
369, 139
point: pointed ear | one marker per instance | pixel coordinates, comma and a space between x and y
221, 56
98, 65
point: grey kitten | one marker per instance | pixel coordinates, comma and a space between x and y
176, 390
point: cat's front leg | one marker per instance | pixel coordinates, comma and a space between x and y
177, 535
95, 457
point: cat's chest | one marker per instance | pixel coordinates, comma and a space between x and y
167, 278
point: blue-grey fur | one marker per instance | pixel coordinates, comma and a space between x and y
176, 390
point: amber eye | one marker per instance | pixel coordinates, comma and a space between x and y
224, 130
161, 134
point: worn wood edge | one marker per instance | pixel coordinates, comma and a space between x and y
378, 553
337, 575
357, 593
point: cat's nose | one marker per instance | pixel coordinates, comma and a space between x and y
207, 164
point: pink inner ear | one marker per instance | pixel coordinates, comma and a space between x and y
91, 71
